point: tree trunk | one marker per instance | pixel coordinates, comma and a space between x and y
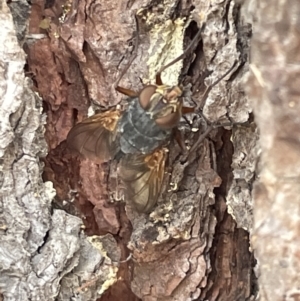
38, 247
274, 93
195, 244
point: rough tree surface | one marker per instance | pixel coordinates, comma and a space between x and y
274, 90
38, 247
195, 243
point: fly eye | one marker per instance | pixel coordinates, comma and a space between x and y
169, 121
145, 95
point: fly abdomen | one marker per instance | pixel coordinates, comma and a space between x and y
138, 131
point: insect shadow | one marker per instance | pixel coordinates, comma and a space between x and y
139, 134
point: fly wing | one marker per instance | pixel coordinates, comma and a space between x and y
96, 137
142, 176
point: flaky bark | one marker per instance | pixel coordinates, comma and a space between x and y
38, 248
195, 244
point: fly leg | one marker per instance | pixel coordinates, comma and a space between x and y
188, 50
133, 57
209, 126
126, 91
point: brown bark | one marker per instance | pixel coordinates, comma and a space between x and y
195, 244
38, 247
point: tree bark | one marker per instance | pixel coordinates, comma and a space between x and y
195, 243
39, 247
274, 93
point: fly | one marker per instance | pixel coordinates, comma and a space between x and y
139, 135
